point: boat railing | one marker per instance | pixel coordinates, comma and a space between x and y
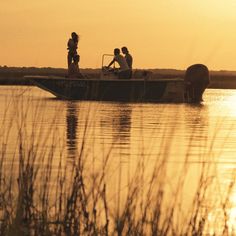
105, 71
106, 56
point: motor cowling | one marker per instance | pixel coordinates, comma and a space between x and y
196, 81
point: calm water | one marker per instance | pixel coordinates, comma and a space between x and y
189, 139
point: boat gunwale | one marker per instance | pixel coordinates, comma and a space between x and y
33, 77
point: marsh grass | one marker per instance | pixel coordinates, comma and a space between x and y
40, 194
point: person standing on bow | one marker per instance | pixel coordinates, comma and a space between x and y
72, 46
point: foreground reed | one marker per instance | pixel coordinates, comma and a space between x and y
41, 194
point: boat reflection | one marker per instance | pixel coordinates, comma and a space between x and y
71, 129
122, 124
197, 121
117, 125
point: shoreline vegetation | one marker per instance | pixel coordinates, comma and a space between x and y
15, 75
46, 193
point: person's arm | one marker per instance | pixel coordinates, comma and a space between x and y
111, 62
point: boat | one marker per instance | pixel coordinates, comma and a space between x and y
145, 88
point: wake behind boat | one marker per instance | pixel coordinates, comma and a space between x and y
108, 87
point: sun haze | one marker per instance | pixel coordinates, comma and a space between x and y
158, 33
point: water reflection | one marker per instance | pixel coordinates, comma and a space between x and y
71, 128
196, 114
197, 129
116, 125
122, 123
174, 136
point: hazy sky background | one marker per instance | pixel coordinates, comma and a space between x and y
158, 33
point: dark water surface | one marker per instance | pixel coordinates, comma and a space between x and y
189, 140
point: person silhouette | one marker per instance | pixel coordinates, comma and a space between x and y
72, 46
124, 70
73, 70
128, 58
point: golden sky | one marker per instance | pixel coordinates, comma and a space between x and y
158, 33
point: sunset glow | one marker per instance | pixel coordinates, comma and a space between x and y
159, 34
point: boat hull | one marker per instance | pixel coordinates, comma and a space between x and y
133, 90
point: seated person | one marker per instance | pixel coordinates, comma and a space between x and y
73, 70
128, 58
124, 70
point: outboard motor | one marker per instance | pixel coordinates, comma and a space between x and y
196, 81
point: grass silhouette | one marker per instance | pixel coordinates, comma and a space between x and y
40, 194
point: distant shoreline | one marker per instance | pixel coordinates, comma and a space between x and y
15, 75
